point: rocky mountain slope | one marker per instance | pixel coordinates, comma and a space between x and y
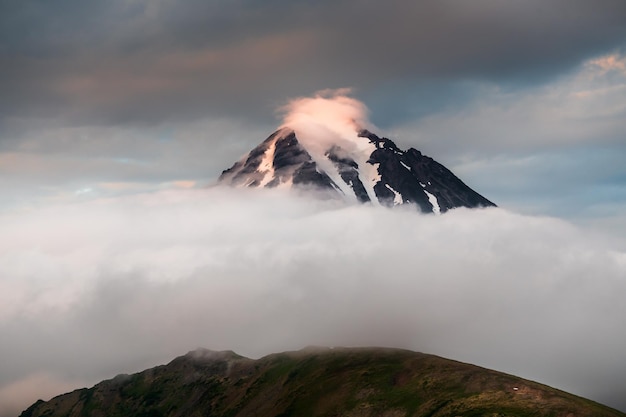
359, 166
317, 382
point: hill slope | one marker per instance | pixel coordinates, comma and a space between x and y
317, 382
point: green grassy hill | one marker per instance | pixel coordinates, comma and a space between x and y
363, 382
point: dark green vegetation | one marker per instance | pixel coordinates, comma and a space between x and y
317, 382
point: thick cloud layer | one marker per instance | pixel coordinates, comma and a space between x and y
91, 290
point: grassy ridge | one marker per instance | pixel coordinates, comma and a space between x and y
319, 382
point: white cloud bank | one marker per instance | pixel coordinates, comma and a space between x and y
91, 290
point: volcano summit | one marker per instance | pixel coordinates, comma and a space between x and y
322, 146
375, 170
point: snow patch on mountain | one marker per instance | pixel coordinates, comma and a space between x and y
397, 197
267, 164
433, 201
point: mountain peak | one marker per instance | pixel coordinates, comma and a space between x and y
354, 164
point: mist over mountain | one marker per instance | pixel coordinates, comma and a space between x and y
316, 381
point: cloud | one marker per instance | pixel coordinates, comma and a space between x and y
15, 395
330, 117
145, 61
42, 162
584, 107
119, 285
552, 149
611, 62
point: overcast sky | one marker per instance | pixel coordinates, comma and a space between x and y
525, 100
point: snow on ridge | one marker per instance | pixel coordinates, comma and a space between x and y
434, 202
397, 198
368, 172
328, 167
267, 164
285, 185
317, 140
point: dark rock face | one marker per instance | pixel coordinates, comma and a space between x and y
402, 177
410, 173
248, 169
288, 160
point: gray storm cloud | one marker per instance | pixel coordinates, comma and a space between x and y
144, 61
118, 285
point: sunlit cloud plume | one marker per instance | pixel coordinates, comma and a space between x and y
330, 117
